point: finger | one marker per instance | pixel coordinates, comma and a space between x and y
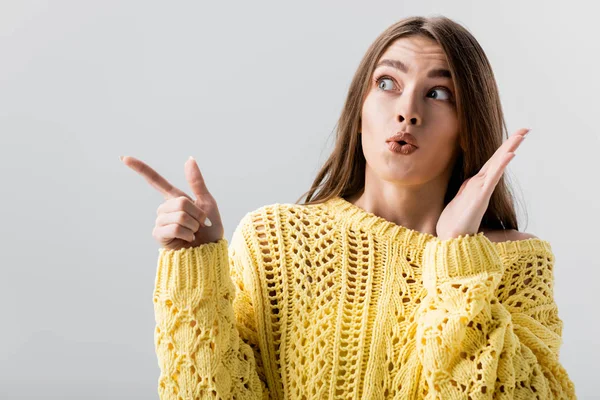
510, 145
153, 177
172, 231
493, 178
195, 179
181, 204
463, 186
178, 217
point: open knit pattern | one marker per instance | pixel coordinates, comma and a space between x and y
329, 301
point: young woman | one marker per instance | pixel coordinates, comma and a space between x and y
403, 275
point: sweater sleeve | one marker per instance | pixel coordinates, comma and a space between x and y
473, 346
206, 338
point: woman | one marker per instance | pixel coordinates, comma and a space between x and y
402, 276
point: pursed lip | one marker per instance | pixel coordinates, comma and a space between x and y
403, 136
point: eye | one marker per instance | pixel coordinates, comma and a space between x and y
447, 96
382, 79
443, 89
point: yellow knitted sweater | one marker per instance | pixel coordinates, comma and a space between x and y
329, 301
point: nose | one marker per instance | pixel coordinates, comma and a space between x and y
408, 109
412, 121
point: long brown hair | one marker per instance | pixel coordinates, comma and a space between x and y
480, 117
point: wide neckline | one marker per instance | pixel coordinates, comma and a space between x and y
364, 220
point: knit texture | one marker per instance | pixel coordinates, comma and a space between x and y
329, 301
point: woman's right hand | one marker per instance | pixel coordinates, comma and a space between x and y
180, 221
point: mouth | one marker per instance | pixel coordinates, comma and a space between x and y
402, 143
401, 147
403, 138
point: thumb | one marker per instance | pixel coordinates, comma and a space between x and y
194, 178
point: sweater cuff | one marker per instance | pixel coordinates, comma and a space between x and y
461, 257
191, 274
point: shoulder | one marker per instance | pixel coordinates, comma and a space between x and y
272, 212
502, 235
256, 232
270, 218
281, 211
266, 231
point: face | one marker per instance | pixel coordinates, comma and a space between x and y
411, 96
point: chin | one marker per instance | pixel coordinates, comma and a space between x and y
402, 178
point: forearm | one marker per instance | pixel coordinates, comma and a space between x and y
467, 341
198, 346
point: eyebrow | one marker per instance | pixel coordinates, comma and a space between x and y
399, 65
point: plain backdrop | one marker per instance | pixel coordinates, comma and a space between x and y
253, 91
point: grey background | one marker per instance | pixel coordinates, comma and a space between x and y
253, 91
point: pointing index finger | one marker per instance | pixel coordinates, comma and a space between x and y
153, 177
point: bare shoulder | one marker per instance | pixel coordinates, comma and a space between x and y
501, 235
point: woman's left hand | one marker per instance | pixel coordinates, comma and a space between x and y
464, 213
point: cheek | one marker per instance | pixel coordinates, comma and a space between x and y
443, 123
443, 115
373, 112
442, 148
366, 114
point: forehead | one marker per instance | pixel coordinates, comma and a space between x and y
416, 51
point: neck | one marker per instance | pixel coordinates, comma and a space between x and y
416, 207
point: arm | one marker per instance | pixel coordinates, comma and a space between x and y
472, 345
205, 338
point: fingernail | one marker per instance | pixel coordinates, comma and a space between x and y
121, 158
207, 222
192, 158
